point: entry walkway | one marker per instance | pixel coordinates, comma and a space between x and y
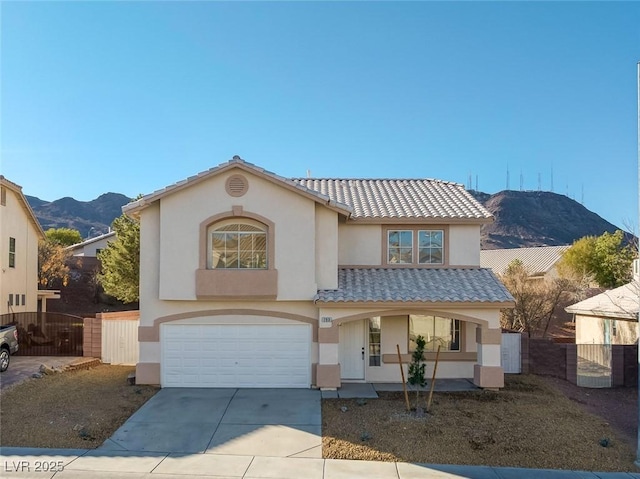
371, 390
81, 463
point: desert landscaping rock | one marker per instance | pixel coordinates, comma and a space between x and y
528, 424
71, 409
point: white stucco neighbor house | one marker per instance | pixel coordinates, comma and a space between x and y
249, 279
608, 318
90, 247
20, 233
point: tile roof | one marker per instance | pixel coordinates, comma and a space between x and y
620, 302
236, 162
356, 198
420, 285
400, 198
538, 260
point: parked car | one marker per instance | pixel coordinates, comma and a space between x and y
8, 345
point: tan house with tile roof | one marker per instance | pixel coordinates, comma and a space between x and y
249, 279
540, 261
19, 236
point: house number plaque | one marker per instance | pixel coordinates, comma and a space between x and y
326, 319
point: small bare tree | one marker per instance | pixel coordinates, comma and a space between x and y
535, 299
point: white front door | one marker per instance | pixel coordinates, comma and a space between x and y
351, 351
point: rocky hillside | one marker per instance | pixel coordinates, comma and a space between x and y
91, 218
522, 218
537, 218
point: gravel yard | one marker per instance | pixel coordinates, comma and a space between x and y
528, 424
73, 409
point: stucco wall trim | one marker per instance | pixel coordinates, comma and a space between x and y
328, 375
148, 373
445, 356
257, 284
151, 334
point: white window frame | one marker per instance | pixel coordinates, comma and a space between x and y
431, 248
374, 353
400, 246
215, 228
432, 343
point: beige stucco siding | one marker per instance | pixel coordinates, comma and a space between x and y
326, 228
150, 305
182, 213
359, 245
591, 330
23, 278
463, 245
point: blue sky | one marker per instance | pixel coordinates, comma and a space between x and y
131, 97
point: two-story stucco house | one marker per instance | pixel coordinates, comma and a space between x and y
20, 233
249, 279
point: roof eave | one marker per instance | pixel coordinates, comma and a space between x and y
17, 189
421, 219
628, 315
135, 207
417, 304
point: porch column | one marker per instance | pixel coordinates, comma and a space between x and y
328, 369
488, 373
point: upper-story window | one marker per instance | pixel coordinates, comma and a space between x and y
415, 246
235, 244
12, 252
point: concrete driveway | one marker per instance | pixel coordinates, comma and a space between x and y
250, 422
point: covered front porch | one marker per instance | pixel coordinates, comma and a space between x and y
366, 333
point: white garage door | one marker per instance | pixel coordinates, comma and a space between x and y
244, 355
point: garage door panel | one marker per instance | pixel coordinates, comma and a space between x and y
235, 355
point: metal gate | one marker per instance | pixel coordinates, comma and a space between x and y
511, 359
594, 365
47, 334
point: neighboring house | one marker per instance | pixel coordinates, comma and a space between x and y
608, 318
249, 279
19, 236
92, 246
540, 261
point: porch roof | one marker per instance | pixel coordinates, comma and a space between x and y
417, 285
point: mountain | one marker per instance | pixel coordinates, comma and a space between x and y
537, 218
89, 217
522, 218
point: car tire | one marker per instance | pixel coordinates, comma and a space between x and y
5, 358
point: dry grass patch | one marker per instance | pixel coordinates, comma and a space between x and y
75, 409
528, 424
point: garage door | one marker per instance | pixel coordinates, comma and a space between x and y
245, 355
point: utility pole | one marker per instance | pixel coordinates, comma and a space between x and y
637, 462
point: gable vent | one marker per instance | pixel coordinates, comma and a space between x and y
237, 185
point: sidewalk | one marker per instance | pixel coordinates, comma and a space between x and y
80, 463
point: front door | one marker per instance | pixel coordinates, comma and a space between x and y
351, 350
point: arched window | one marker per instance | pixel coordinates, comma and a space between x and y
237, 244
